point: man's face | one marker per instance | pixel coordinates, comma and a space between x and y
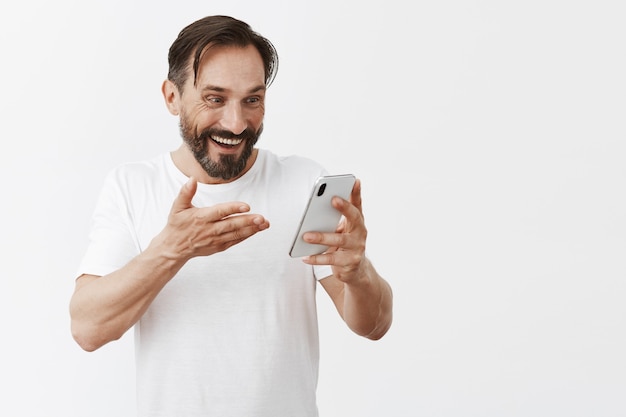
221, 117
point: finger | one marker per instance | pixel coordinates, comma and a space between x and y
241, 233
355, 196
222, 211
335, 240
352, 214
347, 260
232, 231
355, 199
185, 195
240, 225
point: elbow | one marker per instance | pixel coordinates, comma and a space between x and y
89, 338
381, 326
82, 332
87, 342
379, 331
376, 335
88, 333
87, 347
372, 332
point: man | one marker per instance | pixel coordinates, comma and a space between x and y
181, 249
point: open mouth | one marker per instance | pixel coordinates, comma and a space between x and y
226, 142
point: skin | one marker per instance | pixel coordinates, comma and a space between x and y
229, 96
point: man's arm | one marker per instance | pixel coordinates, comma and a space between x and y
103, 308
366, 305
362, 297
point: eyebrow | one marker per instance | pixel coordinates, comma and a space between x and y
208, 88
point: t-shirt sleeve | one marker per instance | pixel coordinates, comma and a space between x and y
112, 240
322, 271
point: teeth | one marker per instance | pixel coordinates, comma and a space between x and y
225, 141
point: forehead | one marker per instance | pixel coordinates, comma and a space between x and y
231, 68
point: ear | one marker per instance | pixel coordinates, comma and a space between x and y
171, 96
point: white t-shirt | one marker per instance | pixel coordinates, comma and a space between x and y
233, 334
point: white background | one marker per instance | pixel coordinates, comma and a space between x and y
490, 137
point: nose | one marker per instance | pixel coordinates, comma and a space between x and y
233, 118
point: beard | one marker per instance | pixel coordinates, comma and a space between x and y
225, 167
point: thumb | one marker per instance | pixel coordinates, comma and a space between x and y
183, 200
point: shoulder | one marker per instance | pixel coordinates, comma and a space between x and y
146, 167
137, 180
129, 173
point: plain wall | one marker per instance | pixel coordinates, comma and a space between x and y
490, 140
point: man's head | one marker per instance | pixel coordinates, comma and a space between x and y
195, 39
218, 74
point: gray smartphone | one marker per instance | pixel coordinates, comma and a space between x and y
320, 215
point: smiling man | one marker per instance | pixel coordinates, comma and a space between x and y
221, 113
181, 249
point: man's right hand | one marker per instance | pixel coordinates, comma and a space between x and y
201, 231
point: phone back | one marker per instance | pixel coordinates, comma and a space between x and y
320, 215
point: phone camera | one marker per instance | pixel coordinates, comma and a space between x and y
321, 189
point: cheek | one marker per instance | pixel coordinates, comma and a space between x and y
256, 117
203, 118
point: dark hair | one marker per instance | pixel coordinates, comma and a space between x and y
211, 31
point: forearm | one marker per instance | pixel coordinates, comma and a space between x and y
368, 304
103, 308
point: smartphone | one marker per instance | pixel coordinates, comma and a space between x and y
320, 215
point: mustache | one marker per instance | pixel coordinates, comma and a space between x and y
247, 134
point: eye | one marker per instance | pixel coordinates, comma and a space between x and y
214, 100
254, 101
